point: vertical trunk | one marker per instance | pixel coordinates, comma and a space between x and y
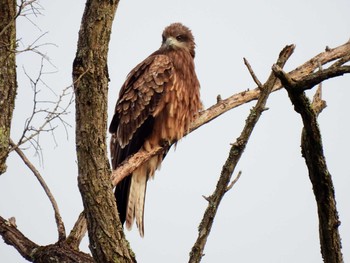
107, 242
8, 83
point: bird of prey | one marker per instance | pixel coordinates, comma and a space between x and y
156, 104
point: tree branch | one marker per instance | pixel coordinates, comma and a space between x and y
60, 225
78, 232
311, 80
13, 237
235, 154
320, 177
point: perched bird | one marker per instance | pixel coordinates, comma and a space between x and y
156, 104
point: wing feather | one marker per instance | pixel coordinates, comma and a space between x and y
140, 95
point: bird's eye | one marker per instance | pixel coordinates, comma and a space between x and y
180, 38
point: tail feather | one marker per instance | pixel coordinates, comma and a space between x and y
136, 201
137, 193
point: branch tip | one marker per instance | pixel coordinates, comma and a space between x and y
234, 181
207, 198
256, 80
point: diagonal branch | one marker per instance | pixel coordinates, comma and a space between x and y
235, 154
320, 177
60, 225
78, 232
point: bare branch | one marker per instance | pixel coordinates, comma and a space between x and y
250, 95
58, 252
20, 11
256, 80
235, 153
320, 177
35, 48
78, 232
60, 225
234, 181
12, 236
311, 80
318, 104
45, 111
131, 163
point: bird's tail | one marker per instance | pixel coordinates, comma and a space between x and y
137, 193
136, 201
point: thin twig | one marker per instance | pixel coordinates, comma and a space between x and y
55, 113
318, 104
234, 181
60, 225
256, 80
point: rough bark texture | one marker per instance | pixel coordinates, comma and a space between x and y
8, 83
321, 179
58, 252
312, 151
12, 236
107, 242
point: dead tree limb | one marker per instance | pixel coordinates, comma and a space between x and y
235, 154
320, 177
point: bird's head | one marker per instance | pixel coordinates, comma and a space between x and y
178, 36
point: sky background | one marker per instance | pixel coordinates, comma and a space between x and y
270, 214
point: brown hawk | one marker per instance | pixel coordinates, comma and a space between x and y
157, 103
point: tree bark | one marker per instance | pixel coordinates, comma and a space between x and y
312, 151
8, 83
58, 252
107, 241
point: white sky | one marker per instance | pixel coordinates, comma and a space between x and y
270, 214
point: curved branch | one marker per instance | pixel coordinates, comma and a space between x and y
60, 225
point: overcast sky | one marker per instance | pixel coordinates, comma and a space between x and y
270, 214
